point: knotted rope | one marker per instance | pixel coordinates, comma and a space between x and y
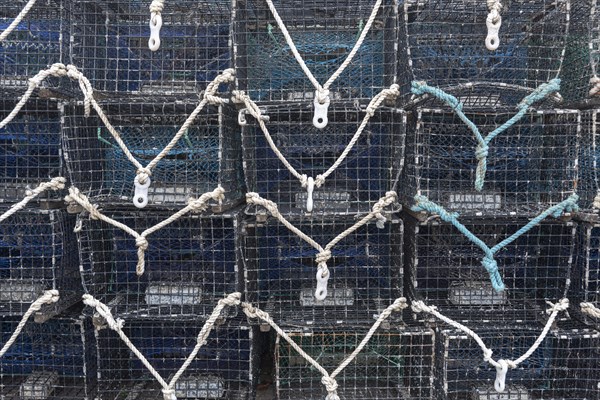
500, 365
194, 205
422, 203
307, 182
143, 173
49, 297
482, 150
590, 309
30, 194
17, 20
493, 23
324, 253
322, 92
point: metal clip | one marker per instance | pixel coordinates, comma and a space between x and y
492, 41
321, 291
155, 25
320, 117
310, 187
140, 197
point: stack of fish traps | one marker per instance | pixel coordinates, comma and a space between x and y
299, 199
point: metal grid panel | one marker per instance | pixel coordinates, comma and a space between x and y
40, 39
110, 45
37, 252
564, 366
324, 32
225, 367
280, 269
30, 148
587, 271
444, 268
588, 182
364, 176
50, 361
443, 43
206, 156
190, 264
530, 167
395, 364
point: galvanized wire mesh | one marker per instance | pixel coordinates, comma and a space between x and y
444, 268
225, 366
207, 155
530, 166
587, 271
38, 252
395, 364
110, 45
280, 269
588, 182
190, 264
443, 43
53, 360
324, 32
363, 176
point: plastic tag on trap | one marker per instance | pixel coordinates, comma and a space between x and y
475, 293
177, 294
39, 385
510, 393
15, 291
475, 201
200, 387
323, 200
335, 297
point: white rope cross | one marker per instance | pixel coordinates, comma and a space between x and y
590, 309
233, 299
500, 365
142, 179
156, 8
309, 183
49, 297
493, 23
194, 205
321, 100
324, 253
17, 20
30, 194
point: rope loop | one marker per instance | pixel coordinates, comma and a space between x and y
169, 394
419, 306
322, 95
143, 174
560, 305
487, 355
323, 256
331, 386
590, 309
482, 151
491, 266
595, 83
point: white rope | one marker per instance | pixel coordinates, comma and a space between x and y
194, 205
17, 20
142, 179
493, 23
30, 194
305, 181
156, 8
49, 297
500, 365
590, 309
322, 92
233, 300
324, 253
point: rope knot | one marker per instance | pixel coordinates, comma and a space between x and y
561, 305
322, 95
156, 6
490, 264
482, 151
197, 205
419, 306
141, 243
330, 384
49, 297
322, 257
590, 309
595, 82
487, 355
319, 180
399, 304
169, 394
143, 174
250, 311
232, 299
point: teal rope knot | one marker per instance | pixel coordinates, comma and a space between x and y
424, 204
570, 205
481, 152
491, 266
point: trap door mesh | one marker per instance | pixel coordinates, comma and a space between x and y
365, 271
207, 155
110, 45
53, 360
361, 179
443, 43
190, 264
395, 363
324, 34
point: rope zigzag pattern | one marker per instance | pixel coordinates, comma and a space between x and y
482, 150
488, 261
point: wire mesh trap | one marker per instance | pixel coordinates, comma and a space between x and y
224, 368
363, 176
30, 149
365, 270
395, 364
38, 252
190, 264
110, 45
53, 360
324, 34
444, 43
40, 39
529, 167
207, 155
588, 182
587, 272
444, 267
564, 366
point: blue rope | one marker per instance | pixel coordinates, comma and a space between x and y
482, 150
488, 261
